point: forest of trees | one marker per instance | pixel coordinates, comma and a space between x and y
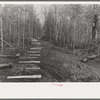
74, 26
19, 24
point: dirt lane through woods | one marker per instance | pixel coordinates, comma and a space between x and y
66, 67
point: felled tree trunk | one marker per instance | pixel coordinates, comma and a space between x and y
24, 77
9, 65
29, 62
89, 58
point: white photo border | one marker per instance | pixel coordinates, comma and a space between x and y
50, 89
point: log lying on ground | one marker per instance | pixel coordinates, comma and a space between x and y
34, 52
89, 58
8, 56
29, 62
31, 65
10, 65
17, 55
37, 68
34, 40
38, 43
26, 57
92, 57
84, 60
6, 42
34, 55
36, 48
24, 77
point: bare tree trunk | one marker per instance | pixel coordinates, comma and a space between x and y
9, 29
50, 34
1, 36
19, 30
94, 27
56, 23
24, 34
74, 38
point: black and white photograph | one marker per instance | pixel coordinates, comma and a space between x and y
49, 42
49, 50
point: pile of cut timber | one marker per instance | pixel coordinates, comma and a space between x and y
31, 59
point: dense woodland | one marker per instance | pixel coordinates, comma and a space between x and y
72, 26
19, 24
49, 43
